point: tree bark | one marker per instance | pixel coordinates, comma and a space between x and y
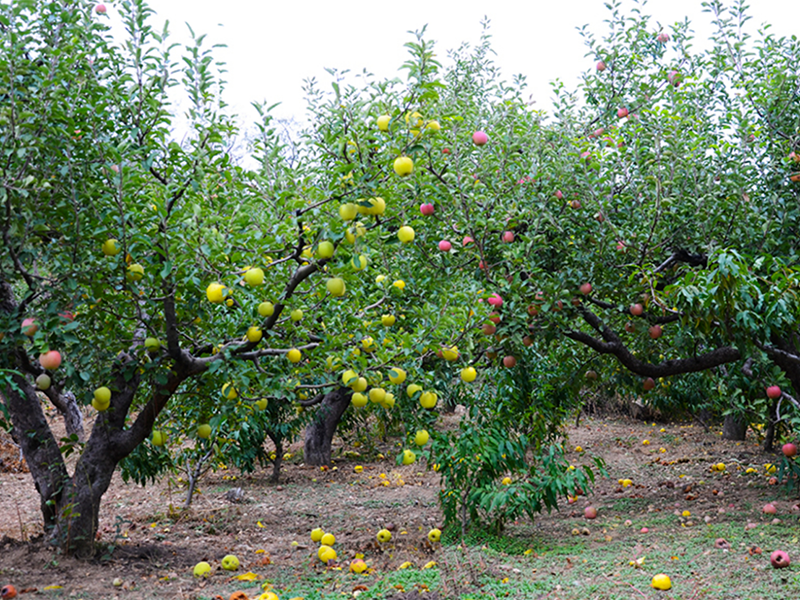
733, 428
319, 433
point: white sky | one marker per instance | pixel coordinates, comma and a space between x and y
273, 45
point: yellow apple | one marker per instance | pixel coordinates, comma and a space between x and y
428, 400
383, 122
433, 126
377, 395
111, 247
358, 400
325, 249
397, 375
316, 534
469, 374
229, 392
266, 309
411, 389
262, 404
405, 234
349, 377
409, 457
348, 211
384, 535
204, 431
103, 396
359, 385
326, 553
135, 272
254, 277
359, 263
296, 315
328, 539
215, 292
335, 287
400, 284
403, 165
368, 344
202, 569
450, 353
254, 334
159, 438
421, 438
434, 535
358, 566
387, 320
294, 355
388, 400
230, 563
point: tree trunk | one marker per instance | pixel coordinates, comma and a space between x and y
276, 464
733, 428
319, 433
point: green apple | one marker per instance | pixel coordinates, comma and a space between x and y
266, 309
152, 344
254, 277
262, 404
159, 438
359, 385
202, 569
230, 563
102, 399
348, 211
325, 249
296, 315
359, 263
335, 286
135, 272
43, 382
229, 392
403, 166
204, 431
111, 247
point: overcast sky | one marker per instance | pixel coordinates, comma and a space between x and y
272, 46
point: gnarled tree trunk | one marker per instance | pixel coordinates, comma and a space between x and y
319, 433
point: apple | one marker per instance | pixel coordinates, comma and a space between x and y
254, 277
769, 509
598, 216
296, 315
358, 400
159, 438
789, 450
663, 37
377, 395
409, 457
649, 384
445, 246
660, 582
316, 534
622, 112
405, 234
446, 151
434, 535
358, 566
43, 382
601, 66
388, 320
467, 240
152, 344
383, 122
254, 334
533, 310
135, 272
262, 403
488, 328
590, 512
558, 306
428, 400
403, 166
348, 211
111, 247
215, 292
655, 331
779, 559
586, 288
576, 204
102, 398
335, 287
509, 361
636, 309
422, 437
230, 563
494, 318
29, 327
50, 360
559, 195
773, 392
527, 341
384, 535
479, 138
427, 209
204, 431
674, 78
468, 374
100, 9
202, 569
266, 309
328, 539
630, 327
495, 300
508, 237
326, 554
294, 355
592, 375
397, 375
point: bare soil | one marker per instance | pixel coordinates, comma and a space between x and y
151, 547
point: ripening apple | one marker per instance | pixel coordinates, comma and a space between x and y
358, 566
559, 195
508, 237
384, 535
636, 309
488, 329
397, 376
403, 166
655, 331
789, 450
50, 360
111, 247
262, 403
43, 382
576, 204
586, 288
509, 361
663, 37
445, 246
590, 512
630, 327
29, 327
100, 9
648, 384
601, 66
254, 277
598, 216
427, 209
479, 138
622, 112
467, 240
773, 392
674, 78
495, 300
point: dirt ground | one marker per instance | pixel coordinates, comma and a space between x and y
152, 548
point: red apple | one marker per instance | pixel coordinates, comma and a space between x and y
620, 247
649, 384
50, 360
655, 331
576, 204
527, 341
479, 138
29, 327
769, 509
674, 78
601, 66
630, 327
100, 9
467, 240
779, 559
560, 196
494, 318
598, 216
592, 375
622, 112
495, 300
533, 310
67, 316
576, 301
663, 37
488, 328
586, 155
482, 265
426, 209
789, 450
445, 246
586, 288
508, 237
446, 151
590, 512
773, 392
509, 361
558, 306
636, 309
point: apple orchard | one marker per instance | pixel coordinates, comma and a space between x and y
425, 241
